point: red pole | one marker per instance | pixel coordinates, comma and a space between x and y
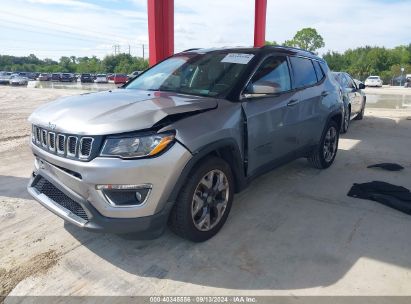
259, 22
160, 29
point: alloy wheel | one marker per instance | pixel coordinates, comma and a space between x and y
210, 200
330, 144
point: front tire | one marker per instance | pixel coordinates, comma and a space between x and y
204, 202
360, 115
324, 154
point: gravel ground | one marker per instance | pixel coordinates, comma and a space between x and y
292, 232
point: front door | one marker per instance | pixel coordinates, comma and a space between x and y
271, 110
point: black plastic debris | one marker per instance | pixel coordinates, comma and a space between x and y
388, 166
393, 196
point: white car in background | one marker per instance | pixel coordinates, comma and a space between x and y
373, 81
101, 78
18, 80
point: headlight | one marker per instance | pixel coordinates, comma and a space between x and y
136, 146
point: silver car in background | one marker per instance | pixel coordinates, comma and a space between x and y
5, 77
17, 80
353, 96
101, 78
175, 144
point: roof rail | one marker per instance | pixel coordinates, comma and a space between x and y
288, 47
192, 49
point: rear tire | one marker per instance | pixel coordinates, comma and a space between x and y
346, 121
324, 154
204, 202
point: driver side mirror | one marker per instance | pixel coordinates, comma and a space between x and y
258, 89
361, 86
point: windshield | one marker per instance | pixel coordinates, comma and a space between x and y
208, 74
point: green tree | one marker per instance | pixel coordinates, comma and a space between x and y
307, 39
271, 43
364, 61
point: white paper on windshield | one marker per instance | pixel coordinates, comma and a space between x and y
238, 58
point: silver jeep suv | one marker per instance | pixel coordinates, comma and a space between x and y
175, 144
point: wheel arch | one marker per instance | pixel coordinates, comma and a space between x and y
336, 116
226, 149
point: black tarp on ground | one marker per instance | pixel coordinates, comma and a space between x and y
387, 166
393, 196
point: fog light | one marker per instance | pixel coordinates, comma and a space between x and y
122, 187
125, 195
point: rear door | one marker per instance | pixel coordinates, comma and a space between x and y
311, 94
272, 118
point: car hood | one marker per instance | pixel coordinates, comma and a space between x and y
116, 111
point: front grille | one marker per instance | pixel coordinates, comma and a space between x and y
71, 146
43, 186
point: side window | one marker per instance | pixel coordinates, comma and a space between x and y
350, 82
274, 74
318, 70
343, 81
304, 73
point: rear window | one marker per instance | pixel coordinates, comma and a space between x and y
318, 70
304, 72
373, 77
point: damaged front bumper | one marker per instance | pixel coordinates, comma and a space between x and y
70, 189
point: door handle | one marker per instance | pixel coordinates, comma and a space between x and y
293, 102
325, 93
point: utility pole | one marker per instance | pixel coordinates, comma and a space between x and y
116, 49
129, 49
143, 52
402, 73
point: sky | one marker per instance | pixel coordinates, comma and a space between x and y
53, 28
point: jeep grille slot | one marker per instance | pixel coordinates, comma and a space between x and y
44, 138
38, 135
66, 145
85, 147
52, 141
61, 143
72, 146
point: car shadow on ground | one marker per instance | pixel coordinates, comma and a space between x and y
15, 187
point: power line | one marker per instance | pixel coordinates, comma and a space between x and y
43, 29
82, 30
51, 34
